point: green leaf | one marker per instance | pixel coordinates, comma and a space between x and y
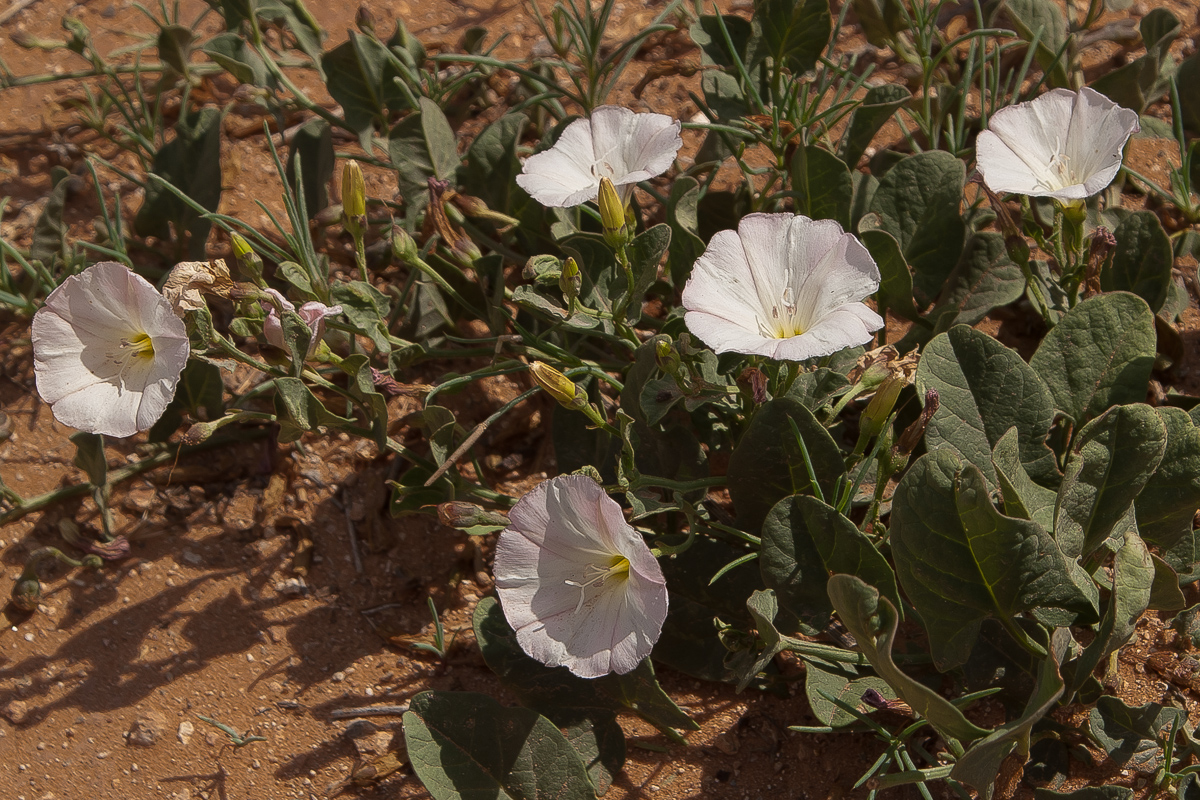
240, 60
1111, 460
683, 216
706, 33
645, 253
767, 464
822, 185
174, 46
200, 392
191, 162
1022, 497
895, 285
1146, 79
1132, 577
1142, 260
299, 410
961, 561
366, 309
50, 232
466, 746
360, 80
792, 33
878, 106
312, 147
1132, 735
298, 20
917, 202
985, 389
598, 740
1188, 81
984, 279
546, 688
803, 542
421, 146
1044, 18
1165, 594
1168, 502
840, 681
491, 163
872, 620
981, 764
89, 456
1099, 355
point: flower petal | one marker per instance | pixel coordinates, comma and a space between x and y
561, 176
849, 325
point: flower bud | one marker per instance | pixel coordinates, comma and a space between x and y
612, 214
757, 381
248, 261
569, 280
354, 192
404, 248
876, 414
666, 357
461, 515
557, 385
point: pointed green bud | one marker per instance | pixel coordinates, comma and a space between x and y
876, 414
354, 199
666, 356
612, 214
462, 515
403, 247
557, 385
569, 280
248, 261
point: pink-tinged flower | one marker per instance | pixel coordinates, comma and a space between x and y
1063, 144
782, 286
107, 351
577, 583
613, 143
313, 314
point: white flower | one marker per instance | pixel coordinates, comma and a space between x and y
782, 286
107, 351
613, 143
577, 583
1066, 145
313, 314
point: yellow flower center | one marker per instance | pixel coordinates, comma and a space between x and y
783, 323
617, 569
134, 350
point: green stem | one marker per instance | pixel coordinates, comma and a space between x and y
165, 456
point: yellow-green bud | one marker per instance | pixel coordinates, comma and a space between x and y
880, 408
354, 198
612, 214
557, 385
403, 247
666, 356
569, 280
248, 261
461, 515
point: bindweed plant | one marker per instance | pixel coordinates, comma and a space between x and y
786, 456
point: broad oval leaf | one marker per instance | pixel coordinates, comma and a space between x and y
961, 561
1111, 460
986, 389
768, 464
466, 746
1099, 355
917, 202
803, 541
1142, 261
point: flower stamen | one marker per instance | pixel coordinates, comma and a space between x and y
130, 350
617, 569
